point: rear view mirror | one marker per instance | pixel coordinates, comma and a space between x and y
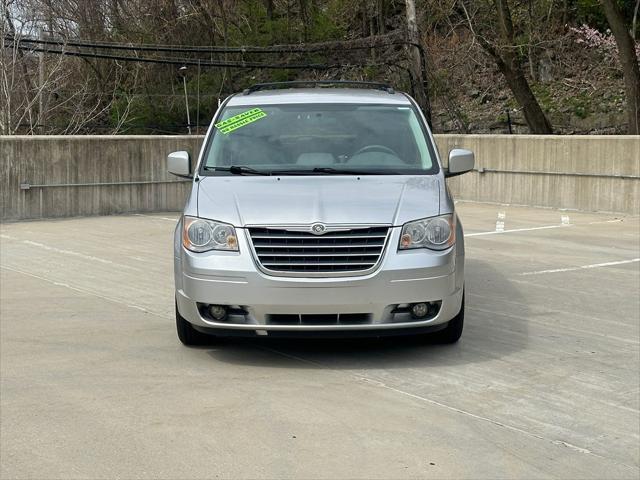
179, 163
460, 161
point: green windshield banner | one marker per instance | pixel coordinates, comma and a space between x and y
240, 120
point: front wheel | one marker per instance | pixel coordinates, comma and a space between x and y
453, 331
188, 335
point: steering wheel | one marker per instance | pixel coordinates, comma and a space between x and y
375, 148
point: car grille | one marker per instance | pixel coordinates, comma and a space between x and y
354, 250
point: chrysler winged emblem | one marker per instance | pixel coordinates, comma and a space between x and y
318, 228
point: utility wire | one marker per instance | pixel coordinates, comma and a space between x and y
202, 63
178, 61
390, 39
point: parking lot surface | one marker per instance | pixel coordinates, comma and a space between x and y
544, 382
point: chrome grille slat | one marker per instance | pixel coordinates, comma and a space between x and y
312, 246
354, 249
324, 264
303, 237
359, 254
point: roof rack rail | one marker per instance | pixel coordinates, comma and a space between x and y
316, 83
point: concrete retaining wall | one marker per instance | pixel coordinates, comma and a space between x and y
582, 172
596, 173
56, 160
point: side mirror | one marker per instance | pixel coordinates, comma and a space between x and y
460, 161
179, 163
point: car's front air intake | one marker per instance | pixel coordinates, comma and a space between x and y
336, 251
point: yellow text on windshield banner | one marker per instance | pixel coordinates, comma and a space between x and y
240, 120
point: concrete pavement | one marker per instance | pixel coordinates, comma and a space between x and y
543, 384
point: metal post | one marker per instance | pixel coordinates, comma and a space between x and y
183, 71
198, 102
41, 85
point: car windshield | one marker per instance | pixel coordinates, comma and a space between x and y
319, 139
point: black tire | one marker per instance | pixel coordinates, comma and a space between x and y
188, 335
453, 331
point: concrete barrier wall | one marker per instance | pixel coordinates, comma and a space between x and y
595, 173
64, 160
582, 172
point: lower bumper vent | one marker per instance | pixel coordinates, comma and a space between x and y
319, 319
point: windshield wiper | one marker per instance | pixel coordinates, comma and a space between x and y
332, 171
346, 171
237, 170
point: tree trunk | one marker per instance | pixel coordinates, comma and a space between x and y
304, 19
381, 17
418, 75
269, 6
509, 64
629, 62
533, 114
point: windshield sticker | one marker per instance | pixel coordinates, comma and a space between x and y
240, 120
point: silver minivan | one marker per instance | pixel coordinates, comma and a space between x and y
319, 210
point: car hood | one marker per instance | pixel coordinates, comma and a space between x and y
302, 200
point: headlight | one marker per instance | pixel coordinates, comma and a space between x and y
200, 235
436, 233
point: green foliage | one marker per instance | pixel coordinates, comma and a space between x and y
146, 114
544, 95
590, 12
286, 27
580, 105
324, 28
439, 82
162, 110
282, 75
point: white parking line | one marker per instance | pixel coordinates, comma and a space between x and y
85, 291
478, 234
615, 220
581, 267
61, 251
173, 220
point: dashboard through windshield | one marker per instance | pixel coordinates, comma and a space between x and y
319, 139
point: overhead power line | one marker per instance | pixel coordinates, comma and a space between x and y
178, 61
396, 38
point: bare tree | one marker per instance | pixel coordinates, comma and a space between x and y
416, 63
64, 95
634, 22
494, 32
10, 60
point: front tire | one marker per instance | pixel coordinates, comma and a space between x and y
188, 335
453, 331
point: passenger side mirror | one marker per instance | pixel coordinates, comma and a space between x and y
460, 161
179, 163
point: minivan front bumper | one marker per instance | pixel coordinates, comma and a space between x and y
402, 278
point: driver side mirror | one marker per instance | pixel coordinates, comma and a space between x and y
179, 164
460, 161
